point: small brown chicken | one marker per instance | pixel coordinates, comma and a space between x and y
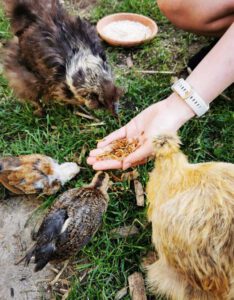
56, 57
35, 174
71, 222
191, 207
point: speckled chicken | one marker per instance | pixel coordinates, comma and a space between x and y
35, 174
56, 57
191, 207
71, 222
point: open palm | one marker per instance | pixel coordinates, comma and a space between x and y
157, 118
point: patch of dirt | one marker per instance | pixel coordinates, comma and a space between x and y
82, 7
17, 281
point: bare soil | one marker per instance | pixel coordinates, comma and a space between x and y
18, 281
81, 7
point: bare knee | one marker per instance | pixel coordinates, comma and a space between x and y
193, 16
180, 14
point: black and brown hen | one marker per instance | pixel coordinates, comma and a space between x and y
56, 57
71, 222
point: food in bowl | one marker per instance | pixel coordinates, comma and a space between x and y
127, 31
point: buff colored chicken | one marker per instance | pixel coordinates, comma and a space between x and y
35, 174
191, 207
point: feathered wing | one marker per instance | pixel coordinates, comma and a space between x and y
85, 208
28, 174
23, 13
45, 246
193, 232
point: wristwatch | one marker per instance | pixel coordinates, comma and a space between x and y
187, 93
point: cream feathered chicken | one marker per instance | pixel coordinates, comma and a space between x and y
35, 174
191, 207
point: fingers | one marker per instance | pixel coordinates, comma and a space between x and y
104, 164
140, 155
139, 163
99, 151
116, 135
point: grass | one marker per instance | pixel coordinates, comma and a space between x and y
62, 135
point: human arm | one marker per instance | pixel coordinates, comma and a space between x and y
213, 75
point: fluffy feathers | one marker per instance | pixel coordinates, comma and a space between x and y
191, 207
71, 222
35, 174
56, 57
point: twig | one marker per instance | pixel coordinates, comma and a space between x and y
125, 231
95, 124
59, 274
82, 154
137, 286
54, 270
129, 62
156, 72
122, 293
86, 116
139, 193
225, 97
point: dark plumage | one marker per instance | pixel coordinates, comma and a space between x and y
71, 222
56, 57
35, 174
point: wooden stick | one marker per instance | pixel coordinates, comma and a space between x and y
139, 193
121, 293
137, 286
86, 116
95, 124
56, 279
156, 72
224, 96
125, 231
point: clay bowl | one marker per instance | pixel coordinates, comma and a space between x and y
126, 17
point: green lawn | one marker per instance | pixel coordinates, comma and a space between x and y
62, 135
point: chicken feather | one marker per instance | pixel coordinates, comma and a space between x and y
56, 57
70, 223
191, 207
35, 174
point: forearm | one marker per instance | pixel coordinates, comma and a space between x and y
216, 71
210, 78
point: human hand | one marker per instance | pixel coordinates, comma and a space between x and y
165, 116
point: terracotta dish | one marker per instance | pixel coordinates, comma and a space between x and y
152, 26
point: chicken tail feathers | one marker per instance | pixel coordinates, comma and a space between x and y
166, 144
42, 255
21, 14
27, 258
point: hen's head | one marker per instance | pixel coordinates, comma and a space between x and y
89, 76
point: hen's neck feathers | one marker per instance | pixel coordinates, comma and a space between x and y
170, 163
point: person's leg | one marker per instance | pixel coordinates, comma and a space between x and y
207, 17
